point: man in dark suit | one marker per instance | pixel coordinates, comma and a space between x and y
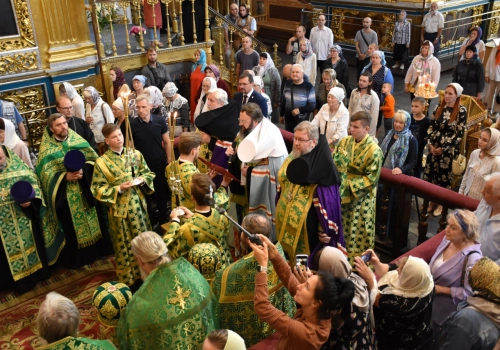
247, 94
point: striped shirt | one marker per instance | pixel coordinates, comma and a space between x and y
401, 33
304, 98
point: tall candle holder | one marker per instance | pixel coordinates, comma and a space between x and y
174, 179
129, 154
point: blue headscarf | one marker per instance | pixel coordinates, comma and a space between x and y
396, 156
382, 59
479, 35
141, 78
202, 61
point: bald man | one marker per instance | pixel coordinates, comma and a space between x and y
298, 99
364, 37
321, 39
293, 46
432, 26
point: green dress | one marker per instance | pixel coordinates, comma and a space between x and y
70, 343
359, 165
127, 212
174, 309
234, 290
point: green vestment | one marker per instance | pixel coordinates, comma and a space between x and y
199, 229
15, 227
359, 165
127, 212
291, 213
51, 172
186, 171
234, 289
174, 309
70, 343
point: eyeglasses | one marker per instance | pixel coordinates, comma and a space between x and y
243, 84
299, 140
66, 108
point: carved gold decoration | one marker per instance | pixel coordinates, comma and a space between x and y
388, 25
336, 27
26, 100
18, 63
316, 13
475, 11
26, 37
495, 21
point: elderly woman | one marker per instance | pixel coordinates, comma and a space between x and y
329, 77
401, 39
156, 102
402, 298
68, 90
119, 85
323, 299
97, 113
333, 117
424, 64
118, 112
473, 39
469, 73
482, 161
9, 138
178, 105
212, 71
138, 83
307, 59
207, 85
444, 136
356, 332
272, 81
338, 63
451, 263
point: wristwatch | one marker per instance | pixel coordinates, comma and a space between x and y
261, 268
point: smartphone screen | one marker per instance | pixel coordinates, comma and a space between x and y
366, 258
301, 260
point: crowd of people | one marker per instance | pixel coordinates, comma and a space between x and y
234, 235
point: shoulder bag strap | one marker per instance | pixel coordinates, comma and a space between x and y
364, 39
464, 268
102, 111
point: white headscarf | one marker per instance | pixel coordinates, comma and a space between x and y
11, 139
338, 93
414, 281
119, 104
70, 90
202, 106
155, 95
234, 341
269, 64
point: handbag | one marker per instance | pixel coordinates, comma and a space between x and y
458, 165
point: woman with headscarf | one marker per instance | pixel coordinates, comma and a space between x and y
118, 110
156, 102
68, 90
211, 71
483, 161
207, 85
401, 39
272, 81
476, 324
338, 63
197, 76
138, 83
424, 64
469, 73
333, 117
97, 114
178, 106
329, 78
307, 59
474, 38
400, 149
444, 135
380, 75
119, 85
9, 138
450, 265
492, 78
356, 332
402, 300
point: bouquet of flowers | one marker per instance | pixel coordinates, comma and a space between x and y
135, 32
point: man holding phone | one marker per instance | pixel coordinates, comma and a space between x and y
236, 303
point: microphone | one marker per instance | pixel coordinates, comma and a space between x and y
231, 157
252, 237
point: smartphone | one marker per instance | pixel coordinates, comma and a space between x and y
301, 260
366, 258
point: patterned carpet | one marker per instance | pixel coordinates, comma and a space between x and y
18, 312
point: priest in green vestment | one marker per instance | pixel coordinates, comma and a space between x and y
173, 309
359, 159
22, 259
113, 185
205, 225
72, 226
234, 289
57, 324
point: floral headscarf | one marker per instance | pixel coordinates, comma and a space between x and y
91, 91
399, 151
214, 69
155, 96
120, 78
336, 48
202, 61
309, 50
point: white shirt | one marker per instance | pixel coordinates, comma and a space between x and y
489, 231
432, 22
321, 39
473, 180
336, 128
78, 107
99, 120
368, 103
492, 70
